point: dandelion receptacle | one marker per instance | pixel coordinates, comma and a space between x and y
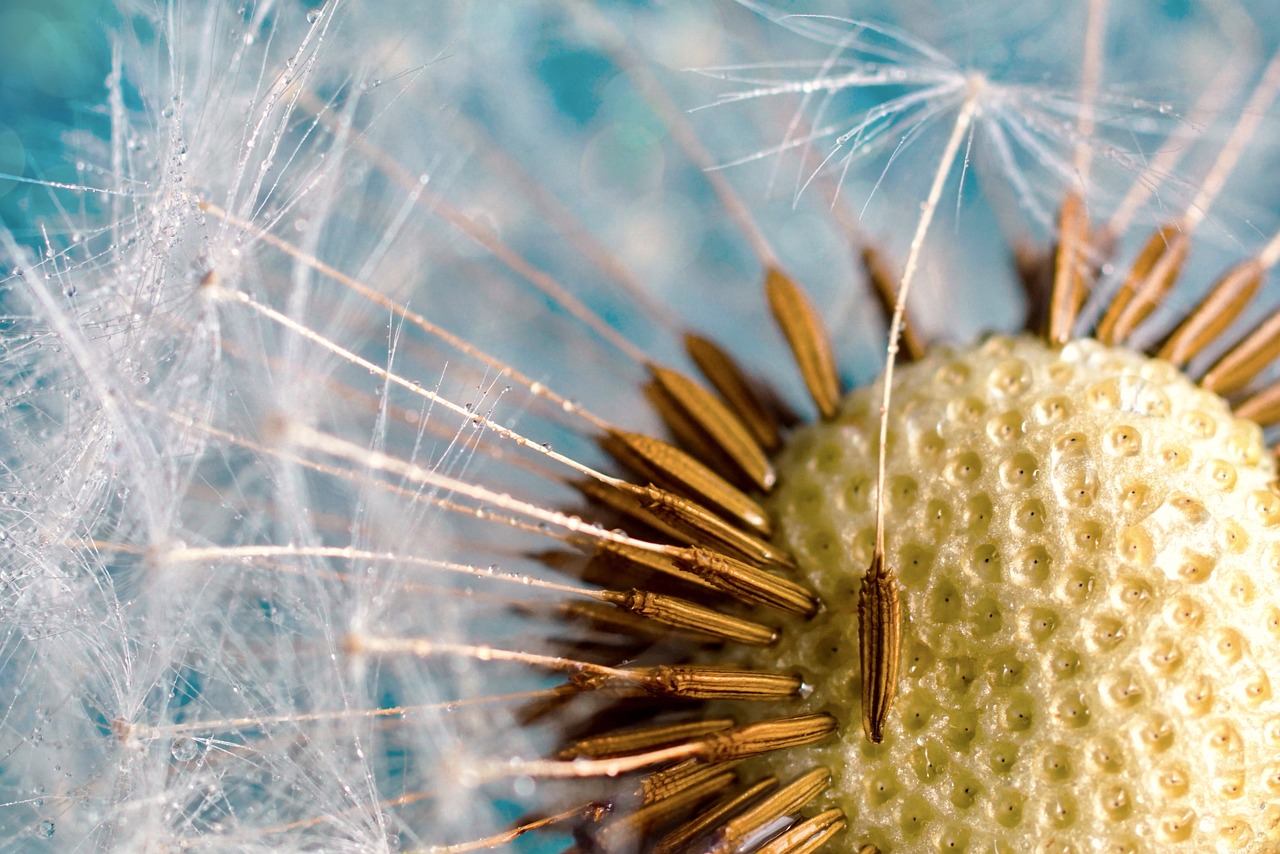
648, 427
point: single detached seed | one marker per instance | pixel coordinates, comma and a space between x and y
1082, 652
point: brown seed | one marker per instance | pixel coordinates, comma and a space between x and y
807, 836
1246, 359
1229, 296
808, 339
783, 802
880, 642
690, 617
723, 372
1263, 407
719, 424
885, 285
667, 464
1071, 269
645, 738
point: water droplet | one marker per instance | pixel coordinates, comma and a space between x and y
184, 749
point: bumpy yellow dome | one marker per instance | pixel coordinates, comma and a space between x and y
1088, 547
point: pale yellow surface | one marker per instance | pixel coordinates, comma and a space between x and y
1089, 553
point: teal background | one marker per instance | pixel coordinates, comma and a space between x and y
53, 72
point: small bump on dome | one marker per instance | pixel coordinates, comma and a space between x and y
1033, 565
1133, 497
1224, 739
916, 711
1273, 558
964, 468
1103, 396
962, 729
1245, 443
915, 815
1064, 664
1052, 410
958, 674
1195, 568
1106, 632
938, 516
978, 513
1002, 757
1198, 424
1156, 734
857, 492
1006, 669
967, 410
997, 346
1006, 428
929, 761
1136, 547
985, 562
1228, 645
1085, 536
1061, 810
1071, 444
882, 786
1133, 593
829, 457
930, 447
1265, 507
1176, 825
945, 602
1271, 779
1006, 808
1153, 403
1040, 623
1233, 537
902, 493
965, 790
1123, 441
1056, 763
1061, 372
952, 375
1235, 830
915, 562
1221, 474
1173, 780
1124, 689
1019, 472
1107, 756
1241, 589
1018, 714
1184, 612
1115, 803
1191, 510
952, 838
1071, 710
1256, 689
1011, 378
1076, 585
1197, 698
1163, 655
1028, 517
1174, 457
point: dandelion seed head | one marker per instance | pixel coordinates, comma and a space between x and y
172, 682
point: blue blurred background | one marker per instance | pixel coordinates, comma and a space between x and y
53, 74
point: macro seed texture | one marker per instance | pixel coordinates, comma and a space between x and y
1088, 547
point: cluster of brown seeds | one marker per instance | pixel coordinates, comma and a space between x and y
725, 561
